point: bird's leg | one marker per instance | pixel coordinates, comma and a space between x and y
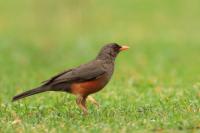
81, 102
93, 101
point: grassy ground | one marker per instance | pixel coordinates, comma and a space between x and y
156, 85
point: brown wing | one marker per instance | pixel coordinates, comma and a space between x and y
82, 73
56, 76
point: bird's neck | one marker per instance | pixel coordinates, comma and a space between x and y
106, 57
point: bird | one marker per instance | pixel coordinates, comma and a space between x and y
83, 80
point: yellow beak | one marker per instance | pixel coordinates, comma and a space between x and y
123, 48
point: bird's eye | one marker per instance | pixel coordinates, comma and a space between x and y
116, 47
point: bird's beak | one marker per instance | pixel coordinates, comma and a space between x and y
123, 48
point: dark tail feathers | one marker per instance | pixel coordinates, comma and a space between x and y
30, 92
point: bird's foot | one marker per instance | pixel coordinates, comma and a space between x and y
93, 101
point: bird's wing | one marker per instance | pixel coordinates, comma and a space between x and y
56, 76
82, 73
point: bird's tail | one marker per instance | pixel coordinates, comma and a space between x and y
30, 92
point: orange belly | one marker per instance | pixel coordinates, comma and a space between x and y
89, 87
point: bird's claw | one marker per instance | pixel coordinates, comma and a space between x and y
93, 101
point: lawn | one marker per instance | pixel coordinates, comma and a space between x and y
156, 84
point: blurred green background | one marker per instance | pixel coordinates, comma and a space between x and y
39, 38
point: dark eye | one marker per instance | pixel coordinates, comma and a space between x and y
116, 47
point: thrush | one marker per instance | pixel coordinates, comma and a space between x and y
84, 80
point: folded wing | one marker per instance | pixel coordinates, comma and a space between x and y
82, 73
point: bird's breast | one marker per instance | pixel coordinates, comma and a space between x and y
89, 87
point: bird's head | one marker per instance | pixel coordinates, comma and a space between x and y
110, 51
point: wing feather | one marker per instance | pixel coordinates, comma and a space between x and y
82, 73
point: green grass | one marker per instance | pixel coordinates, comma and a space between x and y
156, 85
